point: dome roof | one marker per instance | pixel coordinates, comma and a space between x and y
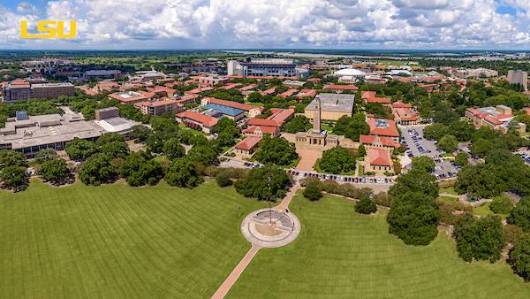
350, 72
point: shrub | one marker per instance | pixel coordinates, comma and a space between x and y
312, 192
365, 205
520, 258
520, 214
223, 179
501, 205
382, 199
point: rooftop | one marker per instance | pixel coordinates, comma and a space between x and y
333, 102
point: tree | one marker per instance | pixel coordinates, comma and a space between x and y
55, 171
11, 158
479, 239
435, 131
297, 124
501, 205
266, 183
462, 159
520, 214
98, 170
365, 205
45, 155
337, 160
448, 143
204, 154
312, 191
109, 137
14, 177
352, 127
115, 149
173, 149
520, 258
182, 173
276, 151
361, 151
462, 130
141, 133
424, 163
414, 217
80, 150
140, 169
223, 179
254, 97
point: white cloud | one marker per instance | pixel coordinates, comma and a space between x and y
289, 23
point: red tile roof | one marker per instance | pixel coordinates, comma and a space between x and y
385, 141
339, 87
204, 120
198, 90
240, 106
248, 143
231, 85
379, 157
400, 104
288, 93
371, 97
306, 92
157, 103
264, 130
406, 114
388, 127
281, 115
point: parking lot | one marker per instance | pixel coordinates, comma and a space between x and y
417, 146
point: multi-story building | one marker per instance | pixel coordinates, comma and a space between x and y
333, 106
497, 118
518, 77
101, 74
158, 107
51, 90
405, 114
383, 128
17, 90
22, 90
271, 67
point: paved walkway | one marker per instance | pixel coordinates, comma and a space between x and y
284, 204
234, 275
245, 261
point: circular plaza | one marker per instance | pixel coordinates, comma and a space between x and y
270, 228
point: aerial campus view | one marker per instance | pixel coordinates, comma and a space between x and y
265, 149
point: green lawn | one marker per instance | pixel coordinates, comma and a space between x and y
119, 242
340, 254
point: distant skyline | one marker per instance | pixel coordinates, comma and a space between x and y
268, 24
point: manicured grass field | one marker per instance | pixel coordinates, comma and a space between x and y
119, 242
340, 254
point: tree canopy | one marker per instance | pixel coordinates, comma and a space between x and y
183, 173
276, 150
337, 160
479, 239
266, 183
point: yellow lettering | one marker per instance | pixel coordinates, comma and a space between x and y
48, 29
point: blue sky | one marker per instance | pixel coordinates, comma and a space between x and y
181, 24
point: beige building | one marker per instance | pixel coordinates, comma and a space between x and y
518, 77
332, 106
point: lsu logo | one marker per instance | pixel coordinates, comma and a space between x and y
49, 29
